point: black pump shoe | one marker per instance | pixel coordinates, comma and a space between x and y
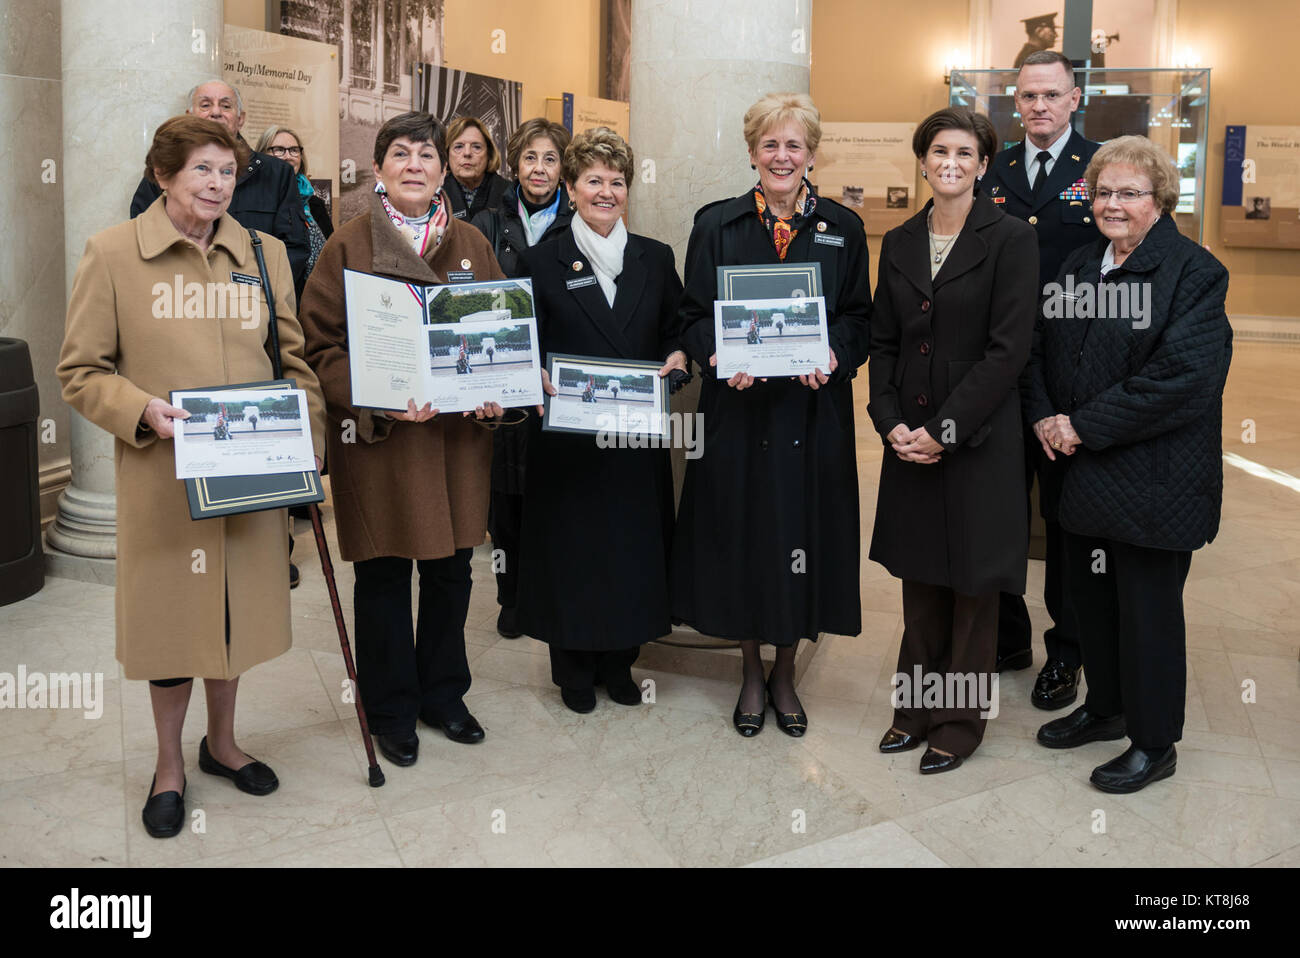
893, 741
793, 724
164, 813
253, 778
933, 762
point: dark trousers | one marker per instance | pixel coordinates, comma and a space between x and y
945, 631
1129, 600
505, 519
579, 669
404, 674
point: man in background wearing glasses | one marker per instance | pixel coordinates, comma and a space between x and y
1040, 180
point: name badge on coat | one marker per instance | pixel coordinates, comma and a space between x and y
580, 282
245, 279
828, 239
460, 276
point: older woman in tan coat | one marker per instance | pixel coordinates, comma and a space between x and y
412, 487
125, 349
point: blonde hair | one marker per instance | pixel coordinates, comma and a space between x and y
1146, 157
457, 127
598, 145
777, 108
270, 133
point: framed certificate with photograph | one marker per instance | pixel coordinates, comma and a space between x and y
456, 347
607, 397
770, 281
771, 337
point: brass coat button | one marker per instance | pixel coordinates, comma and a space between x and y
1033, 221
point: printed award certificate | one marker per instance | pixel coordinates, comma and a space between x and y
456, 347
606, 396
771, 337
770, 281
248, 432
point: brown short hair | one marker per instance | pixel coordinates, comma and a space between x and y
270, 133
1139, 152
776, 108
600, 144
531, 130
1042, 57
955, 118
177, 138
416, 126
459, 125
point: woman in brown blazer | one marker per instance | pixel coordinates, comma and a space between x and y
210, 598
954, 316
413, 486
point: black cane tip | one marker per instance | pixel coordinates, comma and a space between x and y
376, 776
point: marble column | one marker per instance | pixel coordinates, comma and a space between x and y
125, 70
695, 68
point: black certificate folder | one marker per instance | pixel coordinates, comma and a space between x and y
231, 495
783, 281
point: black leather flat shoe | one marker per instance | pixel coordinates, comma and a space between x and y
793, 724
623, 690
1079, 728
164, 813
401, 749
253, 778
1015, 661
893, 741
933, 762
466, 731
1057, 686
507, 628
1134, 770
748, 724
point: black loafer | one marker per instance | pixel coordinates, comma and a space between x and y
507, 627
793, 724
933, 762
623, 690
400, 749
1134, 770
1080, 727
466, 731
1015, 661
253, 778
581, 701
164, 813
1057, 686
893, 741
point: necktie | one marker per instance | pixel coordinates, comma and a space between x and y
1043, 159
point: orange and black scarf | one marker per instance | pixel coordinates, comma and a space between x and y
784, 230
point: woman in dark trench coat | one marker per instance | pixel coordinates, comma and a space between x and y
954, 318
767, 540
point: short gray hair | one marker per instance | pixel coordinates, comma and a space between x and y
239, 100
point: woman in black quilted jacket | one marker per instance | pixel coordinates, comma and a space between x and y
1126, 379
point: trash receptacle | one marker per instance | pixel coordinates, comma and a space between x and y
22, 562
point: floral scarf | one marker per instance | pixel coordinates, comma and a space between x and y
784, 230
417, 230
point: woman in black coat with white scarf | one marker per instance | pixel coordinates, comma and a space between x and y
954, 317
597, 525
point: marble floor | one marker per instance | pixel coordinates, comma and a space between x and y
671, 783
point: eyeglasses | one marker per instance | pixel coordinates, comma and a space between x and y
1124, 196
1049, 97
285, 151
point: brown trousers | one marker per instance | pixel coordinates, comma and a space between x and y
946, 632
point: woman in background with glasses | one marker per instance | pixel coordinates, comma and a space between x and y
284, 144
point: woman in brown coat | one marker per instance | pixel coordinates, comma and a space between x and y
131, 340
413, 486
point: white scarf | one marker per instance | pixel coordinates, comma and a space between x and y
605, 253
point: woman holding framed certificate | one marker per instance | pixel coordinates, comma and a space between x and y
600, 292
767, 540
409, 487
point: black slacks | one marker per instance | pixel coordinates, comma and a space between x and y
1129, 601
403, 674
505, 520
946, 632
579, 669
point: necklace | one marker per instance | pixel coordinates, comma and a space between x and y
938, 251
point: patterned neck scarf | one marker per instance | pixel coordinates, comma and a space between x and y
417, 230
536, 224
784, 230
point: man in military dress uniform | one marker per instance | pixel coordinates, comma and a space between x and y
1042, 36
1040, 180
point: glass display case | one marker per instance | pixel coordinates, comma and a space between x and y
1170, 106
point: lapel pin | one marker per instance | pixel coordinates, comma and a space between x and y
1075, 157
464, 264
1012, 163
577, 265
821, 226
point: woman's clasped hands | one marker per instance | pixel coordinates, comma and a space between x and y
914, 445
